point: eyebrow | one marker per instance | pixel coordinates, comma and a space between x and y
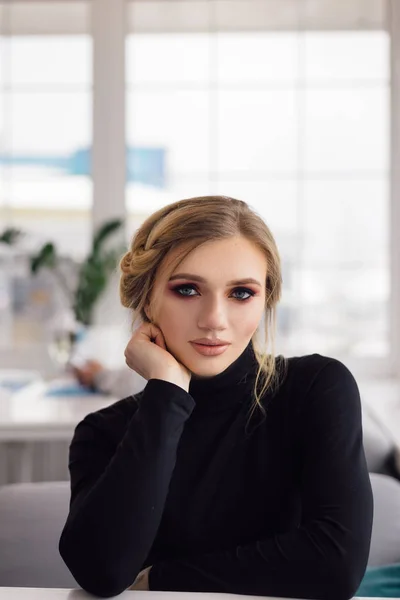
202, 280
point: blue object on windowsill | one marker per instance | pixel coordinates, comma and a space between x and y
13, 386
71, 389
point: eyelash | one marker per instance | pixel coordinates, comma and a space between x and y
186, 286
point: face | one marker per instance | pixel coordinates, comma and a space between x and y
210, 296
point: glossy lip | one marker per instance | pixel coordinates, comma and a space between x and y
209, 342
209, 350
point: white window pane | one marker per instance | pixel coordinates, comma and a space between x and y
346, 130
51, 190
342, 311
3, 134
257, 57
168, 58
275, 202
50, 60
343, 55
3, 59
346, 222
257, 132
143, 200
56, 123
46, 160
176, 122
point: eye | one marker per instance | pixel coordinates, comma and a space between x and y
249, 293
240, 294
179, 289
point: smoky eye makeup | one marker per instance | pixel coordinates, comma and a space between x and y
236, 293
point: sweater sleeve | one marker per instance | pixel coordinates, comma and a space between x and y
118, 496
326, 556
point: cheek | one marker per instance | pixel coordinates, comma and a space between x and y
172, 316
250, 326
251, 320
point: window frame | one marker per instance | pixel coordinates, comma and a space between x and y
109, 27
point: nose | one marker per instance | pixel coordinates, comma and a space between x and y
212, 315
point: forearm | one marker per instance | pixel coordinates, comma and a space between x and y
302, 563
112, 525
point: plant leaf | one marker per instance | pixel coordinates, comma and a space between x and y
104, 232
46, 257
10, 235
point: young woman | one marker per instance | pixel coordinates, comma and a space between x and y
233, 470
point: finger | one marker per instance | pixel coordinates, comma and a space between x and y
159, 340
153, 333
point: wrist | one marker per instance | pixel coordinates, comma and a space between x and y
174, 378
142, 581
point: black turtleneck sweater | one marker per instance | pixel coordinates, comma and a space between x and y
280, 506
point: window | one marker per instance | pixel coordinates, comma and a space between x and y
45, 150
286, 106
45, 122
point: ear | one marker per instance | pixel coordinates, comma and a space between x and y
147, 312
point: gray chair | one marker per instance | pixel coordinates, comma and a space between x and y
31, 519
32, 516
377, 443
385, 541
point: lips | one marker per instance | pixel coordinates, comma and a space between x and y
210, 345
206, 342
209, 349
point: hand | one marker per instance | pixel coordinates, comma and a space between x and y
86, 374
147, 354
142, 581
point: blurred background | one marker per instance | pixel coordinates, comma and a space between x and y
114, 109
110, 109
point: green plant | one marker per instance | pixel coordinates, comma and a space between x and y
91, 276
10, 235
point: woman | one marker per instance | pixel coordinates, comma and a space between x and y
233, 470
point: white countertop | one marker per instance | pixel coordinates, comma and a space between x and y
7, 593
30, 415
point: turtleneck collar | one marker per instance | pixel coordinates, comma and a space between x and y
226, 388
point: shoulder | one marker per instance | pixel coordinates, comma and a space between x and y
315, 369
315, 380
109, 423
330, 398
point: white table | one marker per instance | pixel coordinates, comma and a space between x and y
28, 416
75, 594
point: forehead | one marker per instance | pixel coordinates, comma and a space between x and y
234, 257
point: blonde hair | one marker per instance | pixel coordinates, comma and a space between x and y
183, 226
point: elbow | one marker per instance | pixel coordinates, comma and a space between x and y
94, 579
104, 587
342, 584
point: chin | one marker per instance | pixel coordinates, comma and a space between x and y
204, 375
209, 370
